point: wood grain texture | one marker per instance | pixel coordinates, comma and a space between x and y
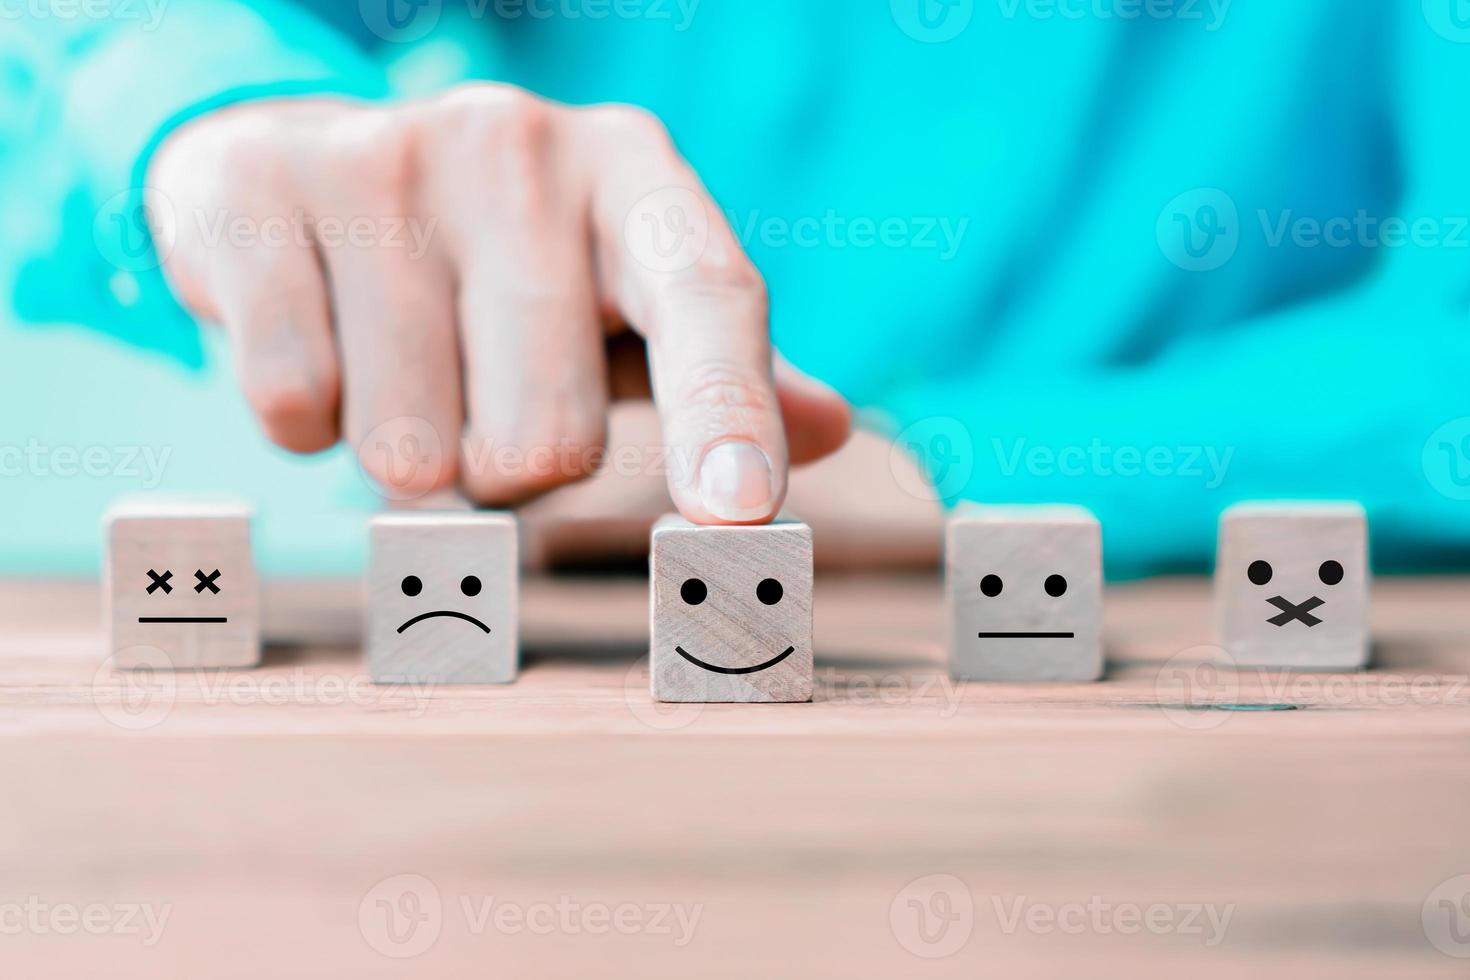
1017, 550
183, 615
1295, 619
443, 599
264, 808
714, 649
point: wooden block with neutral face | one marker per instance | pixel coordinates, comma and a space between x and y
1023, 593
180, 585
731, 612
441, 598
1291, 585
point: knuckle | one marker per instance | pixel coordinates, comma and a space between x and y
720, 280
377, 155
624, 122
724, 389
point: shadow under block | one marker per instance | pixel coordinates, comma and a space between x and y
1291, 585
180, 587
731, 612
1023, 593
441, 598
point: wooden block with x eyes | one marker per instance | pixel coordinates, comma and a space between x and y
441, 598
1023, 593
179, 585
731, 612
1291, 585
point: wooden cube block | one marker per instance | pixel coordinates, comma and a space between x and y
1291, 585
1023, 593
179, 581
441, 598
731, 612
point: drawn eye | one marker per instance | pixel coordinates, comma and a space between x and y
1055, 585
207, 581
1330, 573
693, 591
412, 585
470, 585
157, 581
1259, 572
769, 591
991, 585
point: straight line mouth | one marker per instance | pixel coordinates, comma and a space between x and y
1026, 636
734, 670
183, 619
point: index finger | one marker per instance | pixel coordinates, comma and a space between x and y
673, 268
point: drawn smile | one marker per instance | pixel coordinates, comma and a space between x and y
735, 670
446, 613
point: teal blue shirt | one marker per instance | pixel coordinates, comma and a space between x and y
1152, 256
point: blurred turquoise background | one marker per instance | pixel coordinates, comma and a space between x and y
1153, 256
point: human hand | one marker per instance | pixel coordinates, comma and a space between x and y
475, 273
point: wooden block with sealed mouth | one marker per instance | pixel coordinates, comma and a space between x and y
1292, 585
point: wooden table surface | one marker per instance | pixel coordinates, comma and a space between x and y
297, 821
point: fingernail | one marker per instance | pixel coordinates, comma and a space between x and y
735, 482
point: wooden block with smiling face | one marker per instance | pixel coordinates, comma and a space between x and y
441, 598
1023, 591
1291, 585
731, 612
180, 587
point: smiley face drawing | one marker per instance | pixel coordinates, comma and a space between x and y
1023, 590
1291, 585
731, 612
441, 603
181, 586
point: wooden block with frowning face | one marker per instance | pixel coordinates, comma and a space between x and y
731, 612
1291, 585
1023, 590
441, 598
180, 586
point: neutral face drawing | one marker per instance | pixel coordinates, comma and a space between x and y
1023, 586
